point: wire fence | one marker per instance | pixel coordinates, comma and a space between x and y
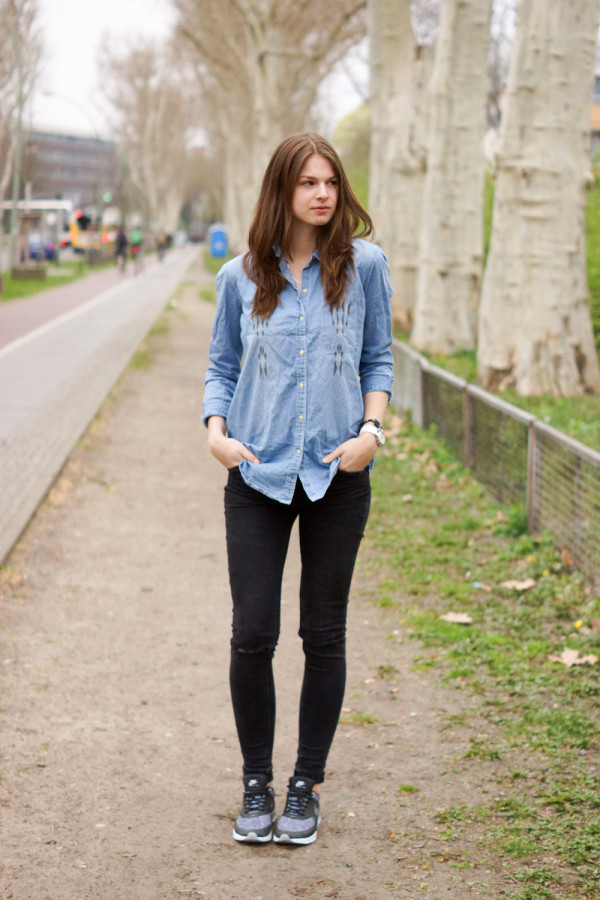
519, 458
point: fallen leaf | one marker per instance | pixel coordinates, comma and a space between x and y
566, 557
457, 618
519, 585
481, 586
571, 657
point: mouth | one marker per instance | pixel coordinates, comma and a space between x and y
321, 209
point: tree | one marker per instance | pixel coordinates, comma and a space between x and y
260, 63
451, 238
535, 329
153, 111
400, 37
20, 53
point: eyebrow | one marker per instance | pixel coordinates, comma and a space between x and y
314, 177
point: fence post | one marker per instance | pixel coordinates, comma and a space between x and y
532, 475
468, 428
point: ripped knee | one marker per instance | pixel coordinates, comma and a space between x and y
327, 648
249, 649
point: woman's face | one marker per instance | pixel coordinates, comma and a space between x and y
316, 192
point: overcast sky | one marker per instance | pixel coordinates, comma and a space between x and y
72, 31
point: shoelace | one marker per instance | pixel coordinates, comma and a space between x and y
254, 802
295, 806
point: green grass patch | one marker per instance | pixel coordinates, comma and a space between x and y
208, 294
214, 264
408, 789
358, 718
454, 549
146, 353
62, 273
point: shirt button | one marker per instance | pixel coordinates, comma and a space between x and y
298, 452
302, 353
300, 417
305, 291
301, 384
302, 318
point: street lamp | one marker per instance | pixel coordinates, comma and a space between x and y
16, 179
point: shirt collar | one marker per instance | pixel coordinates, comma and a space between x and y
279, 255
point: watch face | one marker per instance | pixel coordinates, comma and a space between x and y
380, 437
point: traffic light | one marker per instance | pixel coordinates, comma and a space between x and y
83, 221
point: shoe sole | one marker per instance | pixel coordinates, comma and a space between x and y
252, 837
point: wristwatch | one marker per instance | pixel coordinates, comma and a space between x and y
373, 426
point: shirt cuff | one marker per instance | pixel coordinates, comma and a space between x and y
377, 383
214, 408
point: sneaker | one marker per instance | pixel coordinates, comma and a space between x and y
300, 820
255, 822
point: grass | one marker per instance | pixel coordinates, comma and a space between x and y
147, 351
452, 553
213, 264
15, 289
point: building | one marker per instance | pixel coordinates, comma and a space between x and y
83, 170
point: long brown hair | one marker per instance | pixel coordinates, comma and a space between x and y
272, 224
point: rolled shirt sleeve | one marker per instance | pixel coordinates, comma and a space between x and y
376, 360
225, 350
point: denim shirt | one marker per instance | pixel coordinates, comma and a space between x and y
290, 387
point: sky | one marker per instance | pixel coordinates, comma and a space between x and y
71, 32
69, 98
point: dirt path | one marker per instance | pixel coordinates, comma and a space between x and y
120, 771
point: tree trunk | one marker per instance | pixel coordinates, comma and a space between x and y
451, 238
535, 325
399, 70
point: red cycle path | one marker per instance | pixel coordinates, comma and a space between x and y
19, 317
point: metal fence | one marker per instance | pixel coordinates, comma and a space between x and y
518, 457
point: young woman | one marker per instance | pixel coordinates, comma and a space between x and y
299, 379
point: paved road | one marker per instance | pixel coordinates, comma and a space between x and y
19, 317
66, 349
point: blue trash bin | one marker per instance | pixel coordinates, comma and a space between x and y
218, 240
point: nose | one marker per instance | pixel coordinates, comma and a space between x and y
323, 189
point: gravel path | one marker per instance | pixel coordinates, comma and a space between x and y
120, 771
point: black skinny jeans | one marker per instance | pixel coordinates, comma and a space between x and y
258, 533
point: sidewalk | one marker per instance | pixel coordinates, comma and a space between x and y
19, 317
54, 378
120, 768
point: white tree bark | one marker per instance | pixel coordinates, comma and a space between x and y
451, 237
535, 325
399, 73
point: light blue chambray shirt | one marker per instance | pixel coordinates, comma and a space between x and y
290, 387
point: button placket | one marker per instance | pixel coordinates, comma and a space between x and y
300, 380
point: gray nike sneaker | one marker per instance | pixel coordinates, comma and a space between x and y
301, 818
255, 822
